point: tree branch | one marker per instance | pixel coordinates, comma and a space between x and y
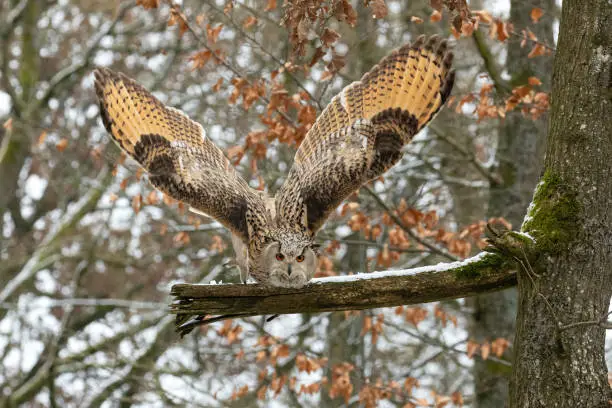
482, 273
69, 220
491, 64
68, 73
432, 247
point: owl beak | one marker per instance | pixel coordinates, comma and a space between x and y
289, 270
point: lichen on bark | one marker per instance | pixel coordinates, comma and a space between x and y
487, 263
553, 218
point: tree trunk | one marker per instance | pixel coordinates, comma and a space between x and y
523, 140
559, 356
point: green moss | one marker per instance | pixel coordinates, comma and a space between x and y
554, 214
475, 270
496, 367
508, 173
10, 150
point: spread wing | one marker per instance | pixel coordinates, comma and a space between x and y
174, 150
360, 134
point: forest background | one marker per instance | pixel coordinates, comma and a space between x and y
90, 250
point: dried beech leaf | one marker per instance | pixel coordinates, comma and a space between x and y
536, 14
148, 4
435, 16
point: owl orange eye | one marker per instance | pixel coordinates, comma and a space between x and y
280, 257
299, 258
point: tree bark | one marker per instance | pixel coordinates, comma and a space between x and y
559, 355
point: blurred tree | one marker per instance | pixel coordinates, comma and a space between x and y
520, 155
89, 250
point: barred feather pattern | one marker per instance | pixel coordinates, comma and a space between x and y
357, 138
360, 134
181, 161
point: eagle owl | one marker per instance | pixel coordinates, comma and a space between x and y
357, 138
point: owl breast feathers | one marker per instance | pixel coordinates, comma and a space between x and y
357, 138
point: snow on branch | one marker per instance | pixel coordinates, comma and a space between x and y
485, 272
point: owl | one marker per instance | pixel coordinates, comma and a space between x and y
357, 138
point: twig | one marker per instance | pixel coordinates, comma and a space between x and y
222, 61
433, 248
490, 64
69, 71
494, 179
269, 54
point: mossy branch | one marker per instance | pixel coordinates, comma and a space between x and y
485, 272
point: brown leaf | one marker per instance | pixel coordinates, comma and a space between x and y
379, 8
303, 28
457, 398
148, 4
8, 125
217, 86
534, 81
181, 238
124, 183
61, 145
249, 22
536, 14
318, 54
229, 6
261, 393
41, 138
483, 15
137, 203
178, 18
200, 59
421, 402
485, 350
336, 63
441, 401
213, 33
499, 346
200, 18
416, 20
538, 50
271, 5
344, 11
501, 30
472, 347
326, 75
152, 198
329, 37
467, 28
435, 16
415, 315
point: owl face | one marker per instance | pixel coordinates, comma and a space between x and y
289, 267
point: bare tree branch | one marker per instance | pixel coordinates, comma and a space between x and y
490, 63
433, 248
481, 273
70, 219
69, 72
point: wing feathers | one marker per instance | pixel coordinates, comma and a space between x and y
180, 160
361, 132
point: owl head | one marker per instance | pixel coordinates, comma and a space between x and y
289, 259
